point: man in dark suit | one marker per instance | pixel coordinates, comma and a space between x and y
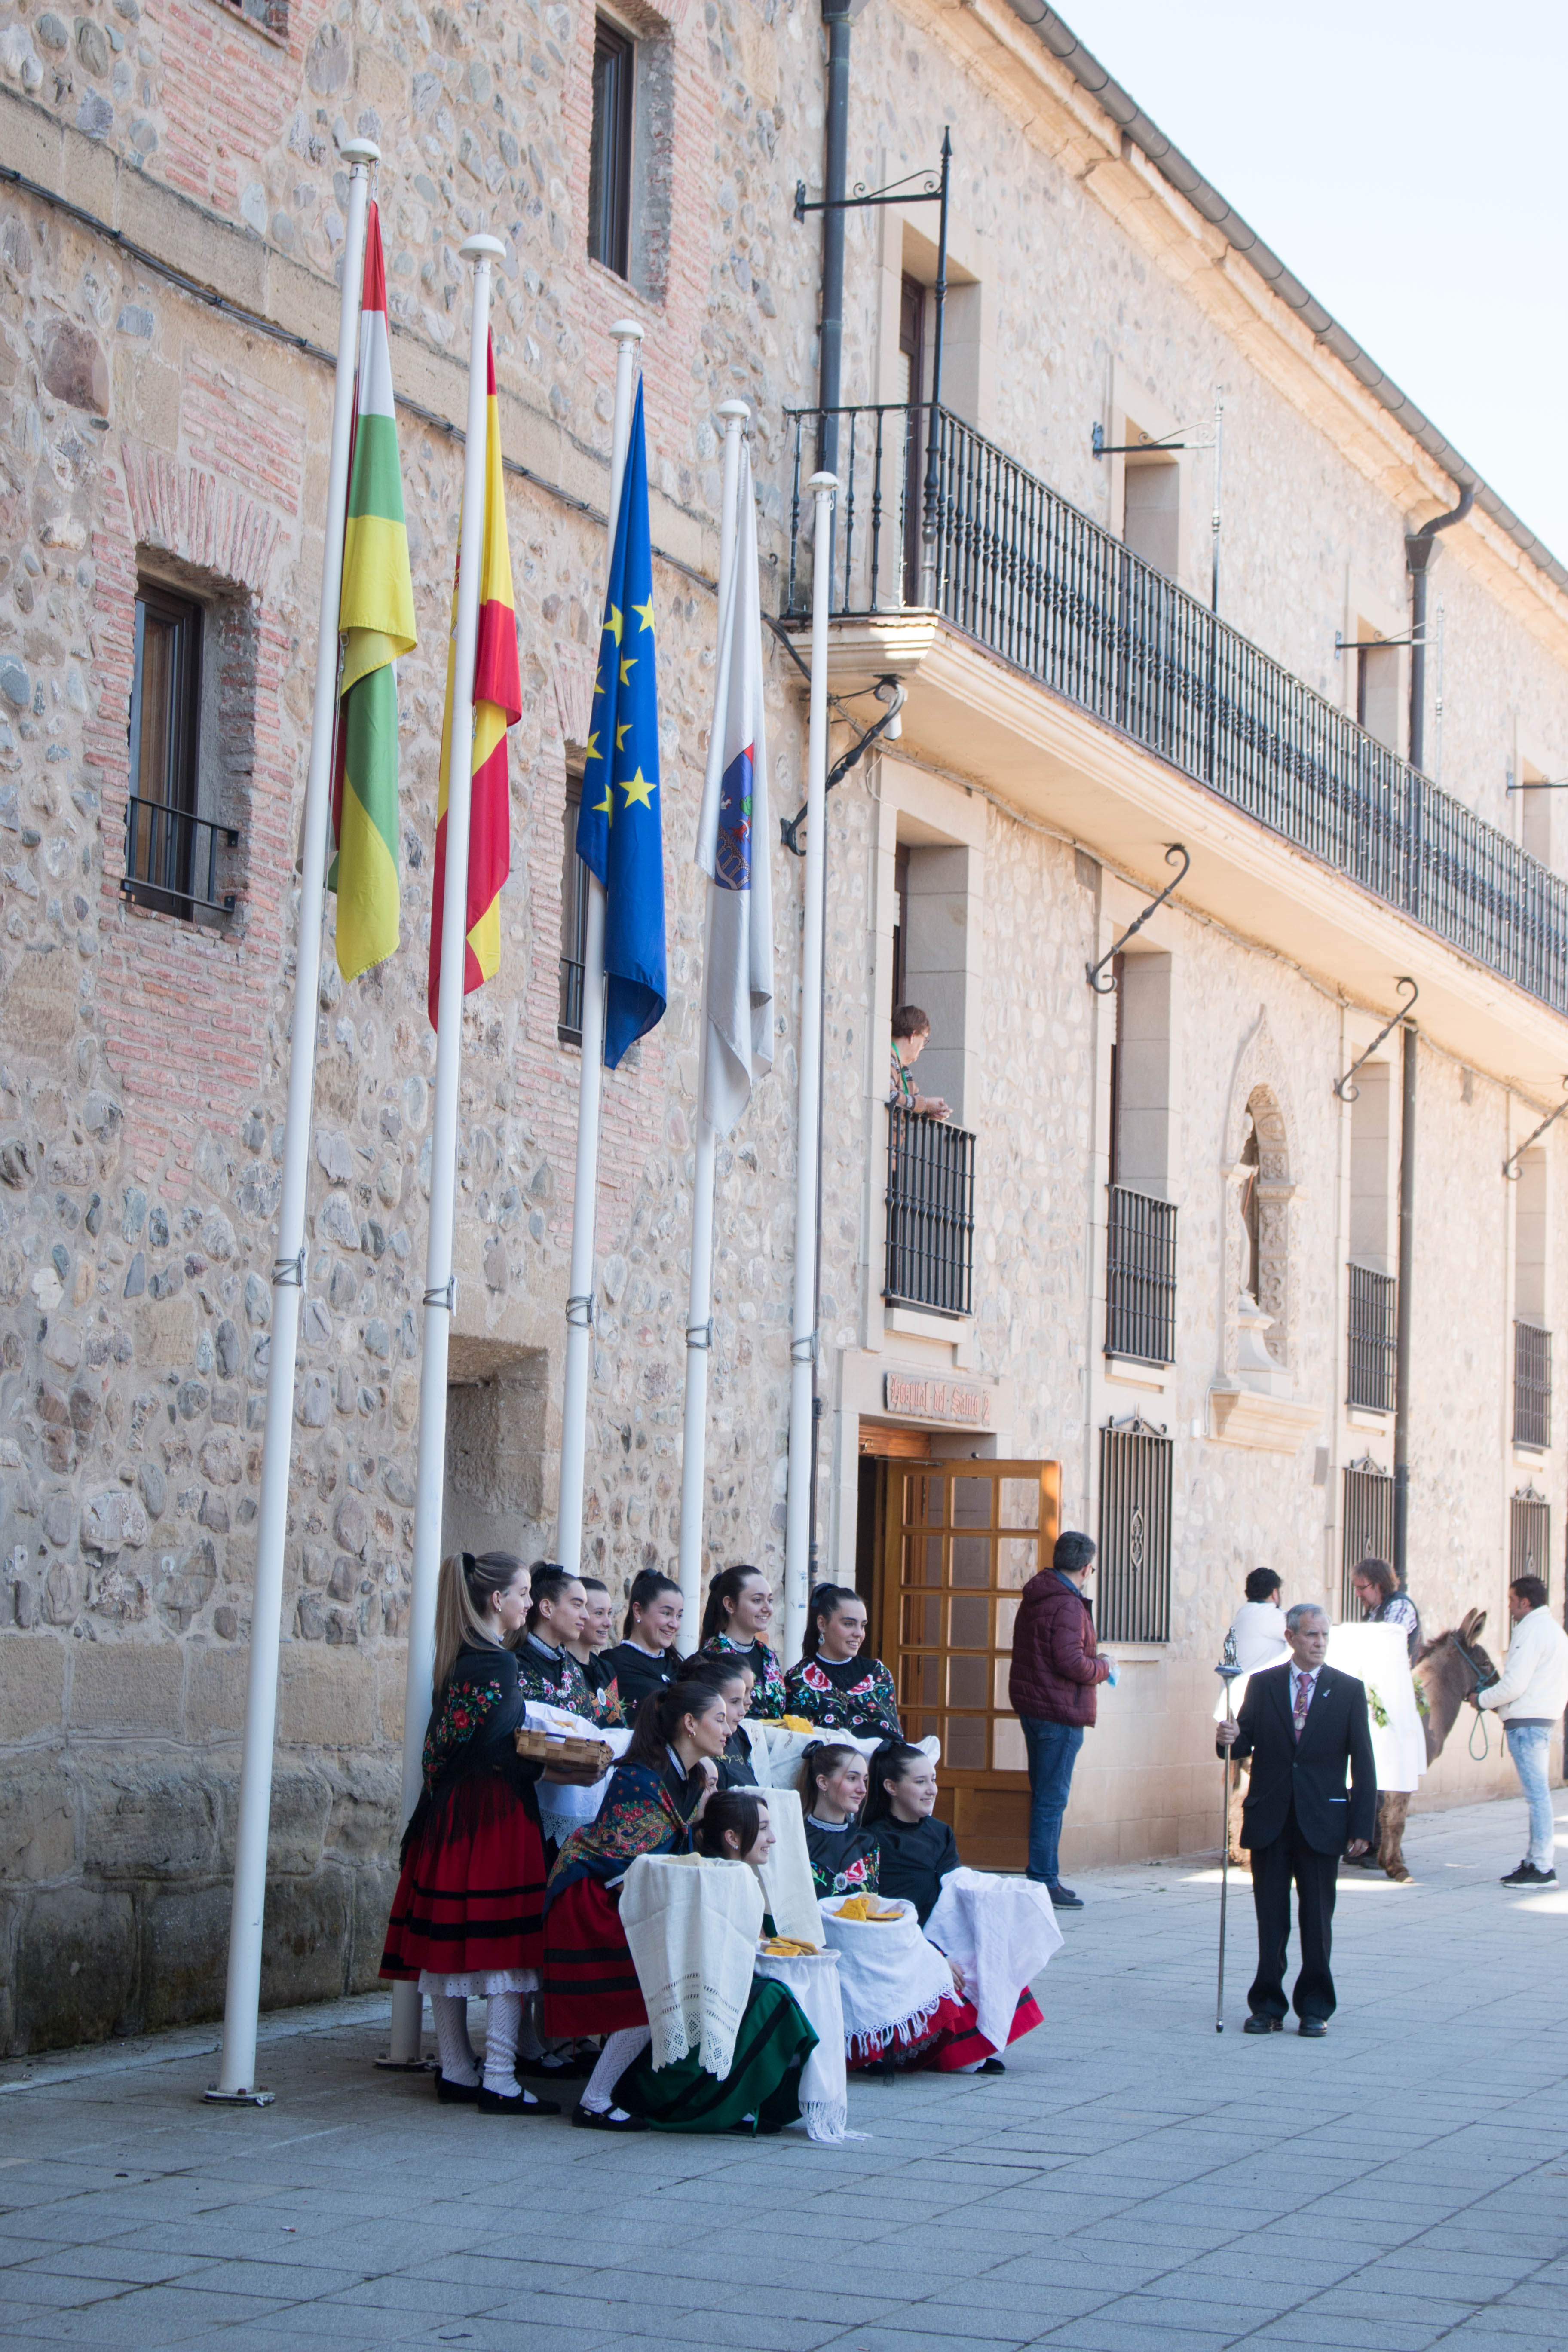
1302, 1724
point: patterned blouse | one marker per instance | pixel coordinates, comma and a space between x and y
478, 1709
768, 1698
843, 1861
556, 1677
845, 1695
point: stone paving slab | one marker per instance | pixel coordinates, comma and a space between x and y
1135, 2183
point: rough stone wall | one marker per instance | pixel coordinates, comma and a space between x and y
142, 1060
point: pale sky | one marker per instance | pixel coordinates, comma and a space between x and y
1404, 159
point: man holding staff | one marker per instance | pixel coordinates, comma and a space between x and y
1304, 1725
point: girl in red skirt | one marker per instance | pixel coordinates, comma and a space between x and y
915, 1852
656, 1793
468, 1917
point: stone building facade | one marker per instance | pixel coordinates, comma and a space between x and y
168, 255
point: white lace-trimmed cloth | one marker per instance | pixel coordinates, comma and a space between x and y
999, 1932
789, 1891
563, 1806
824, 2086
693, 1928
890, 1980
479, 1983
776, 1753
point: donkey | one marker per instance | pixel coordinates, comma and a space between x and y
1448, 1670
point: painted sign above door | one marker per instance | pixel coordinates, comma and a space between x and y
953, 1400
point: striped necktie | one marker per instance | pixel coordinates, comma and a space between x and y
1303, 1700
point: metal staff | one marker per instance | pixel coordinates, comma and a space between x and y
1228, 1670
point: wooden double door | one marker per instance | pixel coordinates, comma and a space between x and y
952, 1545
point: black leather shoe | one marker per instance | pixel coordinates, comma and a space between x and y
456, 2094
991, 2066
601, 2119
1263, 2025
1063, 1898
491, 2103
1312, 2028
561, 2070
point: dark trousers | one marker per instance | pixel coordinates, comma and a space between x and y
1052, 1750
1290, 1858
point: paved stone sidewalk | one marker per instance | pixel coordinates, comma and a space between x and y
1135, 2184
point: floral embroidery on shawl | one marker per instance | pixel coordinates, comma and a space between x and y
638, 1816
466, 1708
768, 1698
563, 1683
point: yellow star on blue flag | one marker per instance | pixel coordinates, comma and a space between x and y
620, 828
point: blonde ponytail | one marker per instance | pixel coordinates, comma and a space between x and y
462, 1590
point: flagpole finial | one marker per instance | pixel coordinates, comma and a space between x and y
626, 331
738, 408
360, 151
823, 484
482, 248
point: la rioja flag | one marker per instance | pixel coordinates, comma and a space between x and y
732, 845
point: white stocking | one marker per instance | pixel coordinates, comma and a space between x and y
503, 2016
618, 2054
451, 2012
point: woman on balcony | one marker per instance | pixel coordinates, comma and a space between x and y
912, 1035
834, 1687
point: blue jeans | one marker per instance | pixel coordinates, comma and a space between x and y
1529, 1745
1053, 1751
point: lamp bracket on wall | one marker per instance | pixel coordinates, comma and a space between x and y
1342, 1087
1510, 1167
1539, 784
1343, 645
895, 694
1175, 851
1100, 448
897, 192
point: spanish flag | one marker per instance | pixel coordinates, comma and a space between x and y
376, 614
498, 705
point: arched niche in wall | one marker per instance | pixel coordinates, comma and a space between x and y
1259, 1159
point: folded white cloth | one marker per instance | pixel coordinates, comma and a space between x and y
824, 2086
789, 1892
890, 1979
999, 1932
563, 1807
776, 1753
692, 1929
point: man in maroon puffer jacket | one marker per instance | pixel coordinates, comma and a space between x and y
1051, 1688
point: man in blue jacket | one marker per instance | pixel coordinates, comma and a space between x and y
1304, 1725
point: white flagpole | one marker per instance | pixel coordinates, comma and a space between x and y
627, 338
440, 1283
803, 1349
242, 1996
700, 1303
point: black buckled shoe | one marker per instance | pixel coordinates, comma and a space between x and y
491, 2103
607, 2120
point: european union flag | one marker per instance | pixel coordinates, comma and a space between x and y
619, 833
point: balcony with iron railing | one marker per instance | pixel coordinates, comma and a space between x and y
1370, 1339
171, 860
1003, 559
930, 1202
1140, 1277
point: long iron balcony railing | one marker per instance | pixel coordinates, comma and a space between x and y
931, 1213
1011, 563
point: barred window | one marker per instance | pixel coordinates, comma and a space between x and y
1368, 1532
1133, 1588
1530, 1535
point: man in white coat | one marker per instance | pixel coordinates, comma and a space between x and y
1529, 1695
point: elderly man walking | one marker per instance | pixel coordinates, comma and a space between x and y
1304, 1725
1530, 1694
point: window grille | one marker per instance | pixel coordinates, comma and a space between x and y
1140, 1278
171, 853
610, 150
1530, 1535
1370, 1337
1532, 1386
931, 1213
1368, 1528
1133, 1592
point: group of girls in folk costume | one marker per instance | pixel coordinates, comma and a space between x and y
834, 1687
871, 1831
467, 1917
646, 1657
655, 1804
549, 1665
